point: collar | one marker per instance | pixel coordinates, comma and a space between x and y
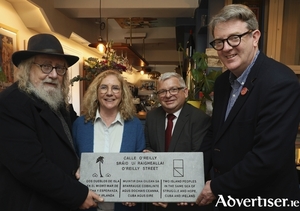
242, 79
176, 114
117, 119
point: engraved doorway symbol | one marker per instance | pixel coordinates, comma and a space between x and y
178, 168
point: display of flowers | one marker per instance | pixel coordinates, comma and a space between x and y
93, 66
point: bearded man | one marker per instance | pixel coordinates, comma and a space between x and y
38, 163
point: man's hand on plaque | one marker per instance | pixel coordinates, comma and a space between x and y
91, 200
129, 204
160, 204
77, 174
206, 196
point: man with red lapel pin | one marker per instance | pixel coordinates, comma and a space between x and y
250, 146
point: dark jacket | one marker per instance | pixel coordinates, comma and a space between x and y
37, 161
252, 153
188, 134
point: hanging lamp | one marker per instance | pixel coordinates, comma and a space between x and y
100, 45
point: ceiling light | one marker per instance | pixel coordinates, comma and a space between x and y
101, 47
100, 44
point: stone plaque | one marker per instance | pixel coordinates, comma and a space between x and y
144, 177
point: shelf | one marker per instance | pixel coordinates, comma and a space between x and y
135, 59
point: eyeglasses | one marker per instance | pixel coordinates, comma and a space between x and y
47, 68
104, 89
233, 41
172, 91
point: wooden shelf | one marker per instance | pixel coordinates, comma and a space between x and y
135, 59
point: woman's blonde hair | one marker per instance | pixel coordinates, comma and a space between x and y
90, 101
23, 76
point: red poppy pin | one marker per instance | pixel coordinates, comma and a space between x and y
244, 91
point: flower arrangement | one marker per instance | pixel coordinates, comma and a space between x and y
94, 66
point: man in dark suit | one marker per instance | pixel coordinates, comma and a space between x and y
38, 162
189, 126
250, 146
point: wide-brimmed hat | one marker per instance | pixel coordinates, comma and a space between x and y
43, 44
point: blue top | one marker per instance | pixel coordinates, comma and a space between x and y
133, 140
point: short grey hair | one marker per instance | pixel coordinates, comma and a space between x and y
168, 75
235, 11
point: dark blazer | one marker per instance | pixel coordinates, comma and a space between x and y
189, 131
37, 161
253, 152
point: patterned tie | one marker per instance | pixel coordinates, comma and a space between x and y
168, 134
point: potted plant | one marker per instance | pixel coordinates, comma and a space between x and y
200, 81
203, 79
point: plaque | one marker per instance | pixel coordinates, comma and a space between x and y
144, 177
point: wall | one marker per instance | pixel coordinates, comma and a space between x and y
9, 17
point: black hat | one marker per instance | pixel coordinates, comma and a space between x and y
43, 44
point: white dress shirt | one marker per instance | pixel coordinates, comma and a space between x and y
107, 139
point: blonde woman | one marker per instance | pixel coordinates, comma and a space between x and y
108, 123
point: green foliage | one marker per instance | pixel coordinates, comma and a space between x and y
203, 79
94, 66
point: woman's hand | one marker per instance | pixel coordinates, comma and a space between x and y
160, 204
129, 204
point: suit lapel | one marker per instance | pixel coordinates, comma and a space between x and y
182, 118
53, 121
221, 105
160, 122
250, 82
235, 109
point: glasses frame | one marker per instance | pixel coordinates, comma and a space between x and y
163, 93
227, 40
53, 67
111, 88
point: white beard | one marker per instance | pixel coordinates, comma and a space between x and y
52, 96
